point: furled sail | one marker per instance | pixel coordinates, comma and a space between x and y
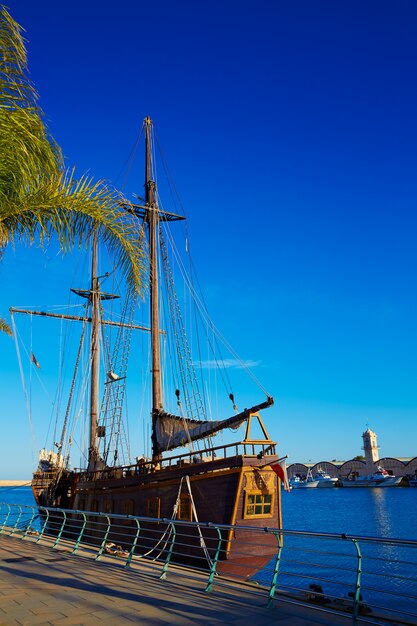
173, 431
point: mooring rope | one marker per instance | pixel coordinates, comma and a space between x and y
22, 376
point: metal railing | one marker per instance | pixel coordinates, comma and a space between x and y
373, 579
218, 453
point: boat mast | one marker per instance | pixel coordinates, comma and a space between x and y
153, 220
95, 351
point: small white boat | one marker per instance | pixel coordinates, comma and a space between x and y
308, 482
324, 479
381, 478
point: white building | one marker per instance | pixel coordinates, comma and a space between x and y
370, 447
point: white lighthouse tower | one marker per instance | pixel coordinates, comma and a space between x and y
370, 448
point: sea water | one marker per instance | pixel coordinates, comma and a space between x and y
22, 496
364, 512
384, 513
375, 512
17, 495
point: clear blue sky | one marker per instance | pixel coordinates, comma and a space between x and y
291, 131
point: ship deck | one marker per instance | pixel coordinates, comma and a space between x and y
41, 585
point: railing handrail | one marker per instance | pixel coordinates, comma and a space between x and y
266, 447
263, 529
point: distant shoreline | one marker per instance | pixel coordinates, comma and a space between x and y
14, 483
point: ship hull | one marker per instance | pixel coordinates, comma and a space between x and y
215, 492
392, 481
312, 484
326, 484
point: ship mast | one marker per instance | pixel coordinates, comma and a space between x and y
95, 352
153, 220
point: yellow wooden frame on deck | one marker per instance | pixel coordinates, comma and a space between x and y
247, 438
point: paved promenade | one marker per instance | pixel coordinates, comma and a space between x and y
41, 585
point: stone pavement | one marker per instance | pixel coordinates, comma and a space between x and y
42, 585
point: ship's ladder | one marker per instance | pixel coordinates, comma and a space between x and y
112, 430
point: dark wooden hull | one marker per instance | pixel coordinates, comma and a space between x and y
219, 492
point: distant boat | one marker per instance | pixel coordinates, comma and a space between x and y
380, 478
412, 482
324, 479
308, 482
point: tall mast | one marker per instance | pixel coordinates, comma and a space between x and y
153, 220
95, 351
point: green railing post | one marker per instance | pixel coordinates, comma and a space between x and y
171, 547
44, 525
356, 598
106, 534
273, 586
18, 519
29, 526
214, 561
134, 543
77, 543
7, 516
56, 542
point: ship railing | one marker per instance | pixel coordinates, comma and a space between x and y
371, 579
146, 466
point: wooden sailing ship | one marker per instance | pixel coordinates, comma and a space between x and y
229, 484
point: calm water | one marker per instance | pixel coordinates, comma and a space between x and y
389, 512
383, 513
17, 495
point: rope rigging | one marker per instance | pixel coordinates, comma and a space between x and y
192, 397
199, 298
202, 314
69, 403
114, 436
15, 335
202, 310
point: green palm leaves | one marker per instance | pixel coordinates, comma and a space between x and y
38, 198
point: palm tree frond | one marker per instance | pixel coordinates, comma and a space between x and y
72, 209
15, 85
5, 328
38, 198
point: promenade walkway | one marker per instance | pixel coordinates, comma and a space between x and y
42, 585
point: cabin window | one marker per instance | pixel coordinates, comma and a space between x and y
184, 509
258, 504
154, 507
128, 507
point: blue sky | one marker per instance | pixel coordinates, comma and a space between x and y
290, 129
